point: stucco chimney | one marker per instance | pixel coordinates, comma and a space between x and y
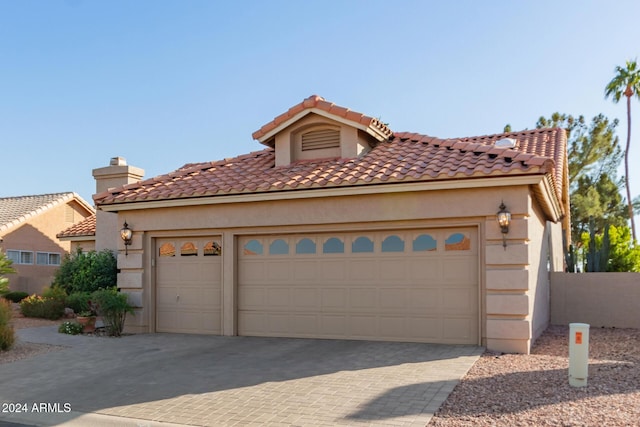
117, 174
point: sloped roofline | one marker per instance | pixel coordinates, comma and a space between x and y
23, 217
318, 105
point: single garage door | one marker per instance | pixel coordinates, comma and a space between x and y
409, 285
188, 285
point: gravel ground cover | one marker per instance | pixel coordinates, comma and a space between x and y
22, 350
533, 390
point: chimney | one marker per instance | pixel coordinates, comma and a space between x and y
117, 174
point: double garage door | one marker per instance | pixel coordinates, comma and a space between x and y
418, 285
408, 285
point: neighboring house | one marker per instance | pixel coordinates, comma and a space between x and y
342, 228
81, 235
28, 228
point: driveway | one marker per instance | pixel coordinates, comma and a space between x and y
152, 379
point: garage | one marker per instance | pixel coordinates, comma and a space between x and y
398, 285
188, 285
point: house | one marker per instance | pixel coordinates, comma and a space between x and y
341, 228
28, 227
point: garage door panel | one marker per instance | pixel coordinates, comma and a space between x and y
421, 267
252, 272
305, 270
363, 299
334, 299
362, 270
393, 298
361, 286
188, 288
278, 270
333, 270
394, 269
304, 299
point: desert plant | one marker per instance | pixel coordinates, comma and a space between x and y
113, 306
43, 307
7, 334
86, 271
15, 296
71, 328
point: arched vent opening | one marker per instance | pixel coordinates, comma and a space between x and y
320, 139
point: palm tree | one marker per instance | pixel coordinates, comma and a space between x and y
626, 82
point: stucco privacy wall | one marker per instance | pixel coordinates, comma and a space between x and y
505, 279
599, 299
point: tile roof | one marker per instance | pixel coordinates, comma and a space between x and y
319, 104
405, 157
86, 227
16, 210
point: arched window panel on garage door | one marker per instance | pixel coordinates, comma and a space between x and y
425, 242
306, 246
361, 245
253, 247
333, 245
457, 242
167, 250
279, 247
212, 248
188, 249
393, 243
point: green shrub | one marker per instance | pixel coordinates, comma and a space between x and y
113, 306
15, 296
55, 292
86, 271
71, 328
43, 307
7, 334
78, 301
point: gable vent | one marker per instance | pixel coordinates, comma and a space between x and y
320, 139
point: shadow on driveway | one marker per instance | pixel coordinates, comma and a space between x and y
209, 380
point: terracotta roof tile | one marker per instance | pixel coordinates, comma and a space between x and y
408, 157
315, 101
86, 227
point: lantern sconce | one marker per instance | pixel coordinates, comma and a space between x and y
126, 234
504, 219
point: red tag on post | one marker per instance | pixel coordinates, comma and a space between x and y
578, 337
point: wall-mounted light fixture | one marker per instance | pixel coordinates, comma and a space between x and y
504, 219
126, 234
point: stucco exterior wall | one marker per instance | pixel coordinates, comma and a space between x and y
39, 235
599, 299
505, 275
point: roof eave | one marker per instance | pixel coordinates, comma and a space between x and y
378, 188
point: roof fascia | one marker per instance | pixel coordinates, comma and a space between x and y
331, 192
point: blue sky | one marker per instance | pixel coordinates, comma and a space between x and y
164, 83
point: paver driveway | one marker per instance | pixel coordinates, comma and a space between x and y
224, 381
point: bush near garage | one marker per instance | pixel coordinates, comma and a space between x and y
86, 271
78, 301
113, 306
43, 307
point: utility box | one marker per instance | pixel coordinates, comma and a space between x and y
578, 354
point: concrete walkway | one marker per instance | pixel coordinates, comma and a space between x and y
174, 379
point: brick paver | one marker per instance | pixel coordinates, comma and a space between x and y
239, 381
